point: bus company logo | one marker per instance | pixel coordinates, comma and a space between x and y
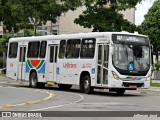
11, 64
35, 63
87, 65
68, 65
38, 64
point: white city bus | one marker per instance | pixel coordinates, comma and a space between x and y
118, 61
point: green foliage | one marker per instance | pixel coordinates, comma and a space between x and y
102, 18
4, 40
30, 32
156, 66
24, 14
2, 75
1, 62
155, 84
151, 26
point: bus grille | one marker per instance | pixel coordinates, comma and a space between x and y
125, 84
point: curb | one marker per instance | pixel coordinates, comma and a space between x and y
51, 95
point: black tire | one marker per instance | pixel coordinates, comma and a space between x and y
120, 91
33, 81
85, 85
64, 86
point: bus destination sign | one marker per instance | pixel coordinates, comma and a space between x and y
129, 38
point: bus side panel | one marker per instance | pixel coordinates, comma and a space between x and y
40, 69
69, 70
12, 68
42, 73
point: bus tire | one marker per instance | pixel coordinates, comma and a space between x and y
33, 81
120, 91
64, 86
87, 88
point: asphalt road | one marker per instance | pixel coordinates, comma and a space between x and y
17, 96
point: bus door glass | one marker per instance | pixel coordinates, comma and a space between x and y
22, 58
52, 62
102, 66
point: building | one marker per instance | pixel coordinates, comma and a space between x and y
65, 24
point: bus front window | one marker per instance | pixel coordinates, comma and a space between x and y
130, 57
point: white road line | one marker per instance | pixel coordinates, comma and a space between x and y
109, 103
56, 106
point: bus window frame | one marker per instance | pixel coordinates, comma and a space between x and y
69, 51
38, 49
94, 43
41, 49
11, 51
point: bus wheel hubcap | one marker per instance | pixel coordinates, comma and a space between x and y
33, 81
86, 84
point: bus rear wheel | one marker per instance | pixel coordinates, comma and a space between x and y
64, 86
86, 85
33, 81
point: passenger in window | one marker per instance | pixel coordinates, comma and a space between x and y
69, 55
61, 55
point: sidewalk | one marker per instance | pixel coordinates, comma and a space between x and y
155, 81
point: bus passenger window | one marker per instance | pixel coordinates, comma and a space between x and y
62, 48
73, 48
51, 54
13, 50
43, 49
33, 49
88, 48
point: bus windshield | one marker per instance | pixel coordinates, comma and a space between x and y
131, 57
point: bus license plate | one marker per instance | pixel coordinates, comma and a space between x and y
133, 86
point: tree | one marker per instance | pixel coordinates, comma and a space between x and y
151, 26
23, 14
103, 15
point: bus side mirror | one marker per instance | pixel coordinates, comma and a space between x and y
151, 47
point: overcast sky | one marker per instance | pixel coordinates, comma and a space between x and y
141, 10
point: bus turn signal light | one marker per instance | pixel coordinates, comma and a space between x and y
115, 75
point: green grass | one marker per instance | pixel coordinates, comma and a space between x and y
155, 84
2, 75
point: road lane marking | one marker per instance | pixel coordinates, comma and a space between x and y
51, 94
56, 106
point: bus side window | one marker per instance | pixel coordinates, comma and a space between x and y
62, 49
43, 49
73, 48
87, 48
13, 50
33, 49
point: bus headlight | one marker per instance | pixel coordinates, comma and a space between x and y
149, 77
115, 75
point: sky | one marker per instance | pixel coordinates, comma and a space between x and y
141, 10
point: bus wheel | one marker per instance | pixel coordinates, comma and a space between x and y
33, 81
87, 88
64, 86
120, 91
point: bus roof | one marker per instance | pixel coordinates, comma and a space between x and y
69, 36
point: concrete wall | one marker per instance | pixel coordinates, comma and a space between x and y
129, 14
67, 25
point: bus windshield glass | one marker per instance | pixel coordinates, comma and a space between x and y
131, 58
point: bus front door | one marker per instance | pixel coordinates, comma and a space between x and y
52, 62
102, 66
22, 54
